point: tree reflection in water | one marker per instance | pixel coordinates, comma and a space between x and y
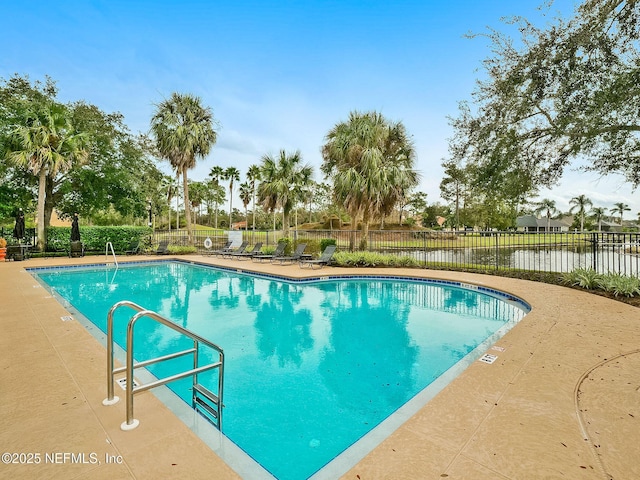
283, 331
369, 347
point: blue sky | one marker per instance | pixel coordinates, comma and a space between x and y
277, 74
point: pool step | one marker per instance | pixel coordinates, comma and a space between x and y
207, 403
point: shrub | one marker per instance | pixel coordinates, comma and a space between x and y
406, 262
96, 238
326, 242
288, 249
620, 285
182, 249
583, 277
373, 259
313, 246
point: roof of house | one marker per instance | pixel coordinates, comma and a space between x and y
532, 221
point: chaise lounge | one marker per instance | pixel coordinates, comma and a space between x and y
325, 258
297, 255
278, 252
163, 247
229, 251
257, 248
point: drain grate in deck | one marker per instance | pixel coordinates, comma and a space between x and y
488, 358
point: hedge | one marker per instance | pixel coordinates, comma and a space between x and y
95, 238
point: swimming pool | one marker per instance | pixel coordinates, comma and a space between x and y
311, 366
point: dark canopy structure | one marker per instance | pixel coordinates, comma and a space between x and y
75, 229
18, 230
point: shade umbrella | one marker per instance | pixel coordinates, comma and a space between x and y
75, 229
18, 230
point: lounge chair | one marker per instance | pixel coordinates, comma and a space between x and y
297, 256
257, 248
324, 259
225, 248
134, 248
229, 252
163, 247
278, 252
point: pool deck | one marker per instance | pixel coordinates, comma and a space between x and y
562, 399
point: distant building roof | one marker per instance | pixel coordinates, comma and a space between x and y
531, 221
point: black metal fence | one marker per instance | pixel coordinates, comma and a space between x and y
538, 252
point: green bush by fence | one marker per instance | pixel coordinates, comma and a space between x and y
96, 238
325, 242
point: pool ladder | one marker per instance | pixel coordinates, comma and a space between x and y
108, 246
206, 402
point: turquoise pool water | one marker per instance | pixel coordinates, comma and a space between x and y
311, 367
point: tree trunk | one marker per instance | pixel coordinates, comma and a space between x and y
354, 227
42, 185
285, 223
187, 206
177, 201
49, 202
365, 231
230, 203
254, 208
457, 210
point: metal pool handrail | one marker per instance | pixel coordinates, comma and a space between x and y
201, 395
113, 252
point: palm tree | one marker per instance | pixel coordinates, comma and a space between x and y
184, 132
301, 189
253, 175
308, 195
231, 174
282, 177
215, 195
216, 174
581, 202
245, 196
620, 208
197, 195
547, 206
371, 163
598, 213
47, 144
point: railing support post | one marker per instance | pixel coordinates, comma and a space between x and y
594, 249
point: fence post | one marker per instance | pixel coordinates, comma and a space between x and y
424, 247
594, 249
497, 251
